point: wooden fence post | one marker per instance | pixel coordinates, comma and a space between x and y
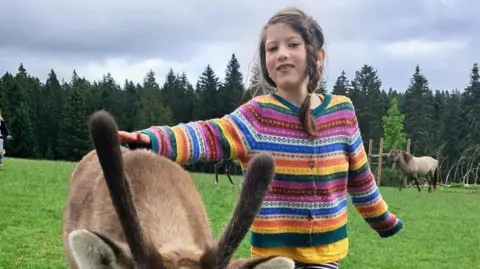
369, 154
380, 161
407, 149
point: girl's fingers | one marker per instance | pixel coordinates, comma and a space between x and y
127, 137
143, 138
138, 137
135, 137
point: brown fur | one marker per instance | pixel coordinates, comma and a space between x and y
147, 210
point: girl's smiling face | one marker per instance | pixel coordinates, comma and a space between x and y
286, 56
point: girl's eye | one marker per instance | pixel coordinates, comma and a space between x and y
271, 49
290, 45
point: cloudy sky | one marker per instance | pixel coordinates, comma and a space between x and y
127, 38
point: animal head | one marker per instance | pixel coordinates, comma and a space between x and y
406, 156
90, 246
140, 251
395, 154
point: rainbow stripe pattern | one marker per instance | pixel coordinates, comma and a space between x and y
307, 204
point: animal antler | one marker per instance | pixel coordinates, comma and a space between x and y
257, 180
103, 130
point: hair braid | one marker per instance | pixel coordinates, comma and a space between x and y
314, 78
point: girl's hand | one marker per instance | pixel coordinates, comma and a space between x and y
136, 137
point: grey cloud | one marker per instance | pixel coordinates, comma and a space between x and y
379, 23
385, 21
72, 33
170, 30
96, 32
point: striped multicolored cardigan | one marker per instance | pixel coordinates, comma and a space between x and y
305, 213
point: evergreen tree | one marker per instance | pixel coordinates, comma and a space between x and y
342, 85
112, 99
131, 104
172, 95
453, 126
439, 108
471, 110
417, 108
151, 110
187, 96
366, 96
73, 139
233, 89
23, 143
16, 93
208, 93
8, 83
431, 118
50, 112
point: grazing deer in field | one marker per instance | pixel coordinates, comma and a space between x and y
137, 209
410, 165
228, 163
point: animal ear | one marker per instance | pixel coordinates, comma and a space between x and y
91, 250
257, 179
276, 262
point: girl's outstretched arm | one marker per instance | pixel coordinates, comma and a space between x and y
363, 189
205, 140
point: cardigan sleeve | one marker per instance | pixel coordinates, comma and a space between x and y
205, 140
363, 188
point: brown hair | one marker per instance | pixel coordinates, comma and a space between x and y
312, 35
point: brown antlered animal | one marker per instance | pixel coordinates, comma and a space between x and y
137, 209
415, 167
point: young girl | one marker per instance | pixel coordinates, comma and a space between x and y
314, 138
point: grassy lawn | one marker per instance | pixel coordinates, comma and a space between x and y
441, 228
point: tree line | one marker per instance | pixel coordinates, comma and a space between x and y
48, 120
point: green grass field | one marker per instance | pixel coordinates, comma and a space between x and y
441, 228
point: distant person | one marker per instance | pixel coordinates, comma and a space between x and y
314, 138
4, 133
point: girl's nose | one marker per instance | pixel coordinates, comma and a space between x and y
282, 52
